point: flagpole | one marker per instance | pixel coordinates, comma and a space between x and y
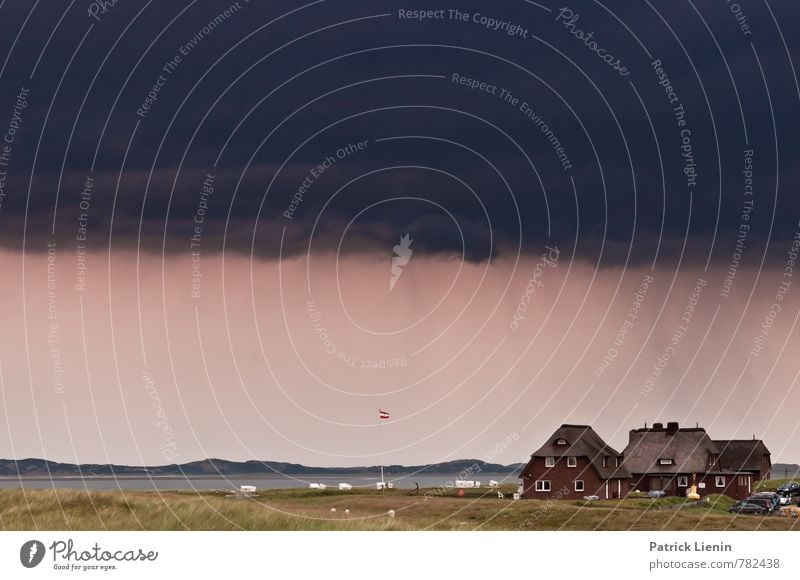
380, 444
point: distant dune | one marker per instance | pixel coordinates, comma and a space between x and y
44, 468
785, 470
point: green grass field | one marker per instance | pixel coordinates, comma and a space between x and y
301, 509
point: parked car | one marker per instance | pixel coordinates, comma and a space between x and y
746, 507
789, 492
771, 501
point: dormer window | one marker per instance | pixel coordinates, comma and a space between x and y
561, 441
666, 461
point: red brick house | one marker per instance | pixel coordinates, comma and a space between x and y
672, 458
573, 463
745, 456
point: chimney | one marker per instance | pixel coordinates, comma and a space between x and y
672, 428
658, 426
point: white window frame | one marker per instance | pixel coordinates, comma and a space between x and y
605, 460
719, 481
561, 441
582, 487
542, 485
666, 461
572, 462
549, 461
683, 481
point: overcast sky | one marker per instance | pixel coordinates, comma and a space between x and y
202, 207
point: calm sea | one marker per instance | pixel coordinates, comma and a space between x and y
233, 482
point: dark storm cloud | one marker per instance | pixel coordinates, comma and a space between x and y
265, 115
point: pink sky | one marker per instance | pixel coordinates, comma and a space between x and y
152, 375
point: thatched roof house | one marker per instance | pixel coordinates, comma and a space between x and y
670, 450
746, 455
574, 462
583, 441
672, 459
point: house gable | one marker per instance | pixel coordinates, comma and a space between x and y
747, 455
670, 450
569, 444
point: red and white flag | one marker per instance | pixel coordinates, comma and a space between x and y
383, 414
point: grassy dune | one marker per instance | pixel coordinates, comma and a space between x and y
772, 484
311, 510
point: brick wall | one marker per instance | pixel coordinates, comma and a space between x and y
734, 487
562, 480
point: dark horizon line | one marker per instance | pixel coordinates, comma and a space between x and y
225, 465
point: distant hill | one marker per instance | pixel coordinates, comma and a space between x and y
785, 470
211, 467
